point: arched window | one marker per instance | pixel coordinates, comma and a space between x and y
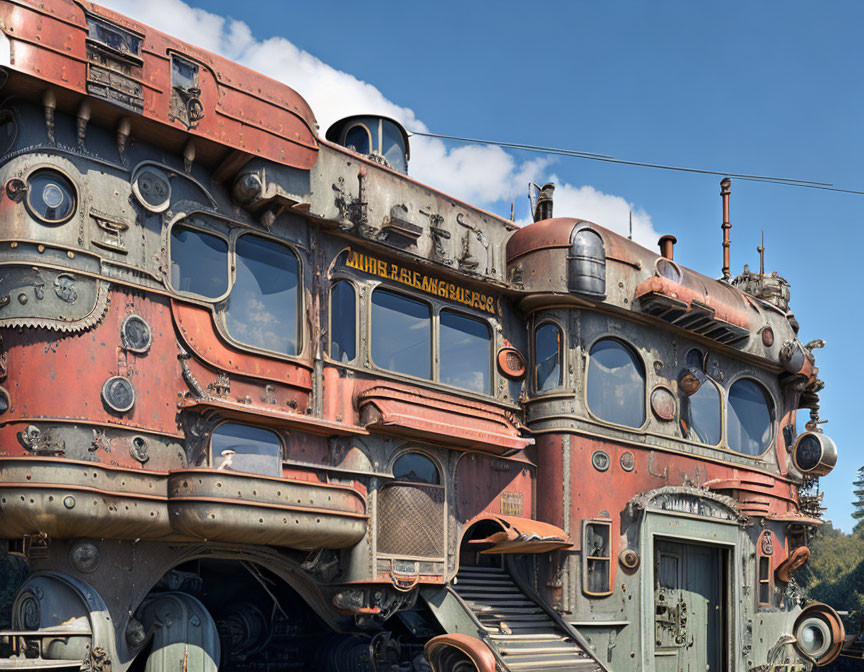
416, 468
750, 416
253, 450
586, 263
616, 384
412, 510
547, 357
343, 322
262, 309
358, 139
701, 410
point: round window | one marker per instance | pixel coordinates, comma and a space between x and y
50, 196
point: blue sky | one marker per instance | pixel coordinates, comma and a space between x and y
760, 87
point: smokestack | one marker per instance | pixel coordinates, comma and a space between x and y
543, 209
725, 190
667, 246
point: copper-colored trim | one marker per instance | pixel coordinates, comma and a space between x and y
265, 505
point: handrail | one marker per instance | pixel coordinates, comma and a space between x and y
554, 615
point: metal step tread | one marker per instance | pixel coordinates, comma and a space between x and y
533, 637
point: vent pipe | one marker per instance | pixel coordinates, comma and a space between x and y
725, 190
667, 246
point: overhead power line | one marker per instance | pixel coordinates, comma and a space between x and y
788, 181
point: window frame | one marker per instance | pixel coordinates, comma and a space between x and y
721, 391
768, 581
646, 404
772, 413
490, 391
234, 236
433, 340
351, 283
182, 222
586, 558
283, 447
442, 486
365, 127
562, 361
435, 313
232, 231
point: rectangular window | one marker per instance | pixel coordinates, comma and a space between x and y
262, 308
547, 357
199, 262
401, 334
113, 37
764, 580
466, 352
343, 322
247, 449
596, 558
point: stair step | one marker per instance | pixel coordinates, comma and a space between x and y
482, 572
535, 662
528, 648
490, 595
498, 616
530, 637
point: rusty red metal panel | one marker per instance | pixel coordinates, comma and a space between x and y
438, 417
62, 380
492, 486
242, 110
198, 331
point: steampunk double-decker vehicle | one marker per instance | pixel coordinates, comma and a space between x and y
266, 403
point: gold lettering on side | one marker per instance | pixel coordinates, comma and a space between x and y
511, 503
418, 280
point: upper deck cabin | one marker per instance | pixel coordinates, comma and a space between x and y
183, 174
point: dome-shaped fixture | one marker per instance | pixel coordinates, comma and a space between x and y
381, 139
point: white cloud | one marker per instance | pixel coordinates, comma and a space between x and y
607, 210
481, 174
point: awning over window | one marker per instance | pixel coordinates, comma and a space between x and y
522, 535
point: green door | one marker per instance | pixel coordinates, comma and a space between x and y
689, 607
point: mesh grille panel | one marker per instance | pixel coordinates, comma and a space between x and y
411, 521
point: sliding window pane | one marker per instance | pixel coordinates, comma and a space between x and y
401, 334
466, 352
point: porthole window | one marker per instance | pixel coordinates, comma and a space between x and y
247, 449
416, 468
263, 306
750, 418
343, 322
466, 352
401, 334
50, 196
199, 262
547, 357
616, 384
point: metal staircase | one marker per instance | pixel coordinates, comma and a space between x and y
525, 635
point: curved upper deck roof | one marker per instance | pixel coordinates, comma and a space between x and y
127, 67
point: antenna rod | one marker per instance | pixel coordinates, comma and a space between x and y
761, 251
725, 190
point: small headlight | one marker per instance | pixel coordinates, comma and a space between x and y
50, 196
814, 454
819, 633
814, 637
